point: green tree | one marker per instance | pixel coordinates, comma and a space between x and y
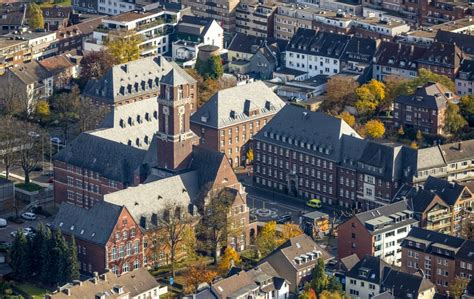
36, 244
320, 281
375, 128
19, 257
425, 76
35, 14
467, 108
216, 69
72, 270
124, 46
454, 119
43, 252
59, 255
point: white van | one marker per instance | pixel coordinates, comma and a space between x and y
3, 222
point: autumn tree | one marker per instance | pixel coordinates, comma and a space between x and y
211, 68
35, 15
466, 106
267, 239
213, 229
94, 65
370, 96
454, 119
340, 92
414, 145
426, 76
290, 230
189, 242
401, 132
90, 114
173, 223
308, 293
249, 156
394, 86
205, 87
42, 109
375, 128
230, 259
196, 274
348, 118
124, 46
458, 287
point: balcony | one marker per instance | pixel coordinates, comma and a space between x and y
438, 217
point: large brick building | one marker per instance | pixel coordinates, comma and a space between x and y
230, 119
376, 232
441, 257
106, 235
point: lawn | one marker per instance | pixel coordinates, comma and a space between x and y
31, 290
30, 187
51, 4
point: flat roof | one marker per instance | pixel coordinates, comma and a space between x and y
6, 42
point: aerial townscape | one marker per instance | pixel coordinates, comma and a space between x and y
237, 149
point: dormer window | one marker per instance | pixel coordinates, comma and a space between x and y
122, 123
147, 116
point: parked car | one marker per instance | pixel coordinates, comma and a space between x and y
56, 140
3, 222
314, 203
283, 219
28, 216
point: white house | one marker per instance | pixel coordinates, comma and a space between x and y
465, 79
153, 27
316, 53
193, 32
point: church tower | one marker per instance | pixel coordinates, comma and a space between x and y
176, 102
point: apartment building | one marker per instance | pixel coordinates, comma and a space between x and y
441, 257
153, 27
442, 58
289, 19
11, 53
255, 19
396, 59
231, 117
371, 277
373, 27
316, 53
377, 232
425, 110
465, 78
439, 205
106, 235
223, 11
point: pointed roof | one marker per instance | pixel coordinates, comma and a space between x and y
177, 76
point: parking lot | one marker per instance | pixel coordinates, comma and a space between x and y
11, 227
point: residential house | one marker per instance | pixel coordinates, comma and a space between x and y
62, 70
259, 282
256, 19
373, 27
358, 55
11, 53
465, 78
295, 259
12, 16
452, 34
39, 44
231, 117
193, 32
153, 27
317, 53
255, 56
106, 235
425, 110
223, 11
442, 59
135, 285
376, 232
72, 37
396, 59
441, 257
372, 276
56, 17
440, 205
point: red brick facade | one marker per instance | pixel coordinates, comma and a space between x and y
353, 237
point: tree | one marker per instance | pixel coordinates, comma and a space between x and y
467, 228
59, 252
348, 118
320, 281
124, 46
249, 156
426, 76
9, 143
454, 119
90, 114
419, 136
210, 69
330, 295
65, 107
72, 269
35, 14
32, 143
375, 128
401, 132
230, 259
370, 96
414, 145
290, 230
267, 238
15, 100
197, 274
340, 91
467, 108
308, 293
174, 223
189, 242
394, 86
458, 287
43, 252
42, 109
19, 257
94, 65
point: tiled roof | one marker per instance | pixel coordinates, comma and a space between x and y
431, 96
432, 242
112, 160
405, 285
360, 50
56, 64
448, 191
31, 73
464, 41
56, 12
429, 157
93, 225
232, 105
442, 54
85, 27
399, 55
318, 43
369, 268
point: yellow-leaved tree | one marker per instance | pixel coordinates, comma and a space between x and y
375, 128
267, 238
348, 118
370, 96
124, 46
230, 259
289, 231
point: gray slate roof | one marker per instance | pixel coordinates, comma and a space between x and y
431, 95
230, 106
373, 266
112, 160
31, 73
93, 225
318, 43
452, 152
322, 132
